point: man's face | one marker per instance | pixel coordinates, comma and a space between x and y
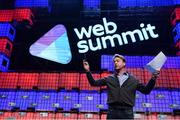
118, 63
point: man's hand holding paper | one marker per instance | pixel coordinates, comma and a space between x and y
155, 75
156, 64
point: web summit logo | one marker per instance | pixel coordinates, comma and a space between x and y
109, 28
53, 46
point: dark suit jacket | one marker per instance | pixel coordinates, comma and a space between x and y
124, 95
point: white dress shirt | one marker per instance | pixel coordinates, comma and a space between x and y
122, 78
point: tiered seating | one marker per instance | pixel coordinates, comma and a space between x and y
8, 80
7, 99
89, 101
69, 80
28, 80
169, 78
49, 96
174, 77
140, 99
175, 95
103, 101
48, 81
163, 79
25, 99
44, 116
84, 84
159, 100
46, 100
5, 115
67, 100
163, 101
103, 116
21, 115
88, 116
66, 116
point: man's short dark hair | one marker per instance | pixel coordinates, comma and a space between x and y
119, 56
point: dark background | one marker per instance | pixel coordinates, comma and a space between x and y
126, 21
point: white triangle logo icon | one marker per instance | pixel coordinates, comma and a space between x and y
53, 46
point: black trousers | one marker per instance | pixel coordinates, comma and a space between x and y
120, 113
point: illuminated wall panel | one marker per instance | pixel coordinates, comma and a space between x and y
176, 33
23, 14
178, 47
6, 15
175, 16
91, 4
145, 3
132, 62
17, 15
31, 3
5, 46
7, 31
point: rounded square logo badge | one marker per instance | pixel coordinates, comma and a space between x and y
53, 46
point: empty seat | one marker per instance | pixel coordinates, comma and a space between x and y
46, 100
84, 83
9, 80
66, 116
7, 99
48, 81
25, 99
88, 116
159, 100
89, 101
67, 100
28, 80
69, 80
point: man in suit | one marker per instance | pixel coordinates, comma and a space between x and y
121, 88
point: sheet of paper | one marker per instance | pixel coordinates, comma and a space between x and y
157, 63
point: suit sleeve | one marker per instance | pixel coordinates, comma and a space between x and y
146, 89
92, 82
